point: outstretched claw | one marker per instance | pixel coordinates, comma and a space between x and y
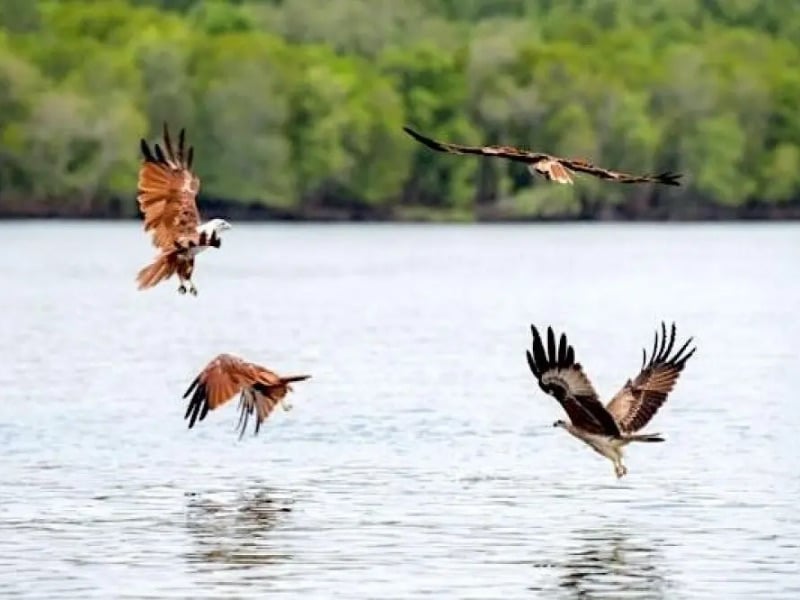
181, 289
287, 406
192, 289
620, 470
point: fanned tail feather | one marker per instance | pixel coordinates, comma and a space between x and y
160, 269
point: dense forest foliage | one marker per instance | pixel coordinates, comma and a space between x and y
296, 107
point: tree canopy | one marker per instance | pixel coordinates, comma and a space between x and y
296, 107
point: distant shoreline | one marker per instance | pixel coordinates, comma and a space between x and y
416, 214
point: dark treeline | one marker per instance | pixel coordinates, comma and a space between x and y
295, 107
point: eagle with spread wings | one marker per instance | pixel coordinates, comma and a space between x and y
607, 429
260, 390
167, 197
552, 168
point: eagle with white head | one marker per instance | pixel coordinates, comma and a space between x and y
167, 192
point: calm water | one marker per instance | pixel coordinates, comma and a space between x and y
420, 460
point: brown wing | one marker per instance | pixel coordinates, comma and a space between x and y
639, 400
583, 166
262, 399
167, 191
225, 377
508, 152
561, 377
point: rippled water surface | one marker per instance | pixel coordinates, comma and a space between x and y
420, 460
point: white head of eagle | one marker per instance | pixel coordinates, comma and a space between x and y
211, 231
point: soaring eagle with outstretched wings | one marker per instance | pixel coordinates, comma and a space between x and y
553, 168
607, 429
167, 197
260, 390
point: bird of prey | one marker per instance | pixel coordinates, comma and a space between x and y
260, 390
553, 168
167, 191
608, 429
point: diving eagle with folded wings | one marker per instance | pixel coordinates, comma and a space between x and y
260, 390
167, 192
553, 168
608, 429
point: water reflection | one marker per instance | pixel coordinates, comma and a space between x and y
609, 563
234, 529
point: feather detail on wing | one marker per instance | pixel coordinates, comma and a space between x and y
552, 170
639, 400
167, 191
561, 377
508, 152
583, 166
260, 390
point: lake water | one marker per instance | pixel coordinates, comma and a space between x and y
420, 460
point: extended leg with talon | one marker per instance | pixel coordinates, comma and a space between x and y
182, 287
286, 405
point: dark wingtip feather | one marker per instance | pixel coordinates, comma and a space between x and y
191, 386
532, 364
242, 423
669, 178
688, 356
551, 347
671, 344
660, 354
679, 358
415, 134
539, 356
203, 411
562, 351
198, 402
430, 143
148, 155
245, 419
295, 378
662, 351
159, 154
653, 352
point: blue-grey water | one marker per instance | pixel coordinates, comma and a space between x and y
420, 459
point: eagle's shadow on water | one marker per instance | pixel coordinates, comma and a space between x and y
235, 529
609, 563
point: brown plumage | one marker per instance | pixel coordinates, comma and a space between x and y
167, 192
163, 267
639, 400
260, 390
608, 428
553, 168
167, 197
